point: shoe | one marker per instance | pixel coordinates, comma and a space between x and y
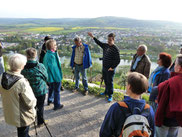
42, 124
62, 88
110, 99
75, 90
49, 103
86, 92
102, 93
60, 107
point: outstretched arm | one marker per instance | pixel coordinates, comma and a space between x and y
96, 40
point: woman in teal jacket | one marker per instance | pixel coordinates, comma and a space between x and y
53, 65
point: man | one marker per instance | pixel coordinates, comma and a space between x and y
115, 118
80, 60
111, 59
141, 62
169, 112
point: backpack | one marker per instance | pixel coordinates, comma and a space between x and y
135, 125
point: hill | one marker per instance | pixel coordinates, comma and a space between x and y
89, 22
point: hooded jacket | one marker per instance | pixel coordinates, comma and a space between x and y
18, 99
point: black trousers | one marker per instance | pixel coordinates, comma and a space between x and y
40, 109
23, 131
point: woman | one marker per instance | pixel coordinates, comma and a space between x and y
37, 76
160, 74
53, 65
17, 96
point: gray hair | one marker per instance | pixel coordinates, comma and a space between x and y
179, 59
143, 47
78, 39
16, 62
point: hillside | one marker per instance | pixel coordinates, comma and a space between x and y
88, 22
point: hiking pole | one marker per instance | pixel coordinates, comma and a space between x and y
35, 129
47, 129
45, 124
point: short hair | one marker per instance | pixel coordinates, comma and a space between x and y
166, 59
77, 39
112, 35
137, 82
47, 38
50, 43
143, 47
179, 59
16, 62
31, 53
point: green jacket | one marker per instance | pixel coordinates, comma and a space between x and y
37, 76
53, 65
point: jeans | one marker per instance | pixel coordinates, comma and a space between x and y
108, 77
164, 131
79, 69
54, 90
23, 131
1, 65
40, 109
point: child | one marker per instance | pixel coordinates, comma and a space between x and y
53, 65
116, 116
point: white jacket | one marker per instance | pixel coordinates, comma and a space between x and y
18, 100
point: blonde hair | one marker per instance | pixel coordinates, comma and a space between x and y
50, 43
16, 62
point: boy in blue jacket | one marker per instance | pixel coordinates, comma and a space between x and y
115, 117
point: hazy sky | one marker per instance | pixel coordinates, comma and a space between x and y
170, 10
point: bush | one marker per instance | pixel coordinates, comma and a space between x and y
117, 96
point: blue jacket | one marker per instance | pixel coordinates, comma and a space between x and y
52, 63
87, 60
161, 77
115, 117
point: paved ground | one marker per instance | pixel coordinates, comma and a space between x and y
82, 116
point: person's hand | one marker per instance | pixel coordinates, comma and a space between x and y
90, 34
110, 69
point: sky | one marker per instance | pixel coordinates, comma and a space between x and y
169, 10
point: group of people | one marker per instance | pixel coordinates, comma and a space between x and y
24, 87
164, 114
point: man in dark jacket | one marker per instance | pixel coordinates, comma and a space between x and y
115, 117
43, 50
141, 62
111, 59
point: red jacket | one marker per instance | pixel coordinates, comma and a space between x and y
170, 99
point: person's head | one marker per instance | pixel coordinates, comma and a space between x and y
141, 50
164, 59
51, 45
136, 83
178, 64
78, 41
180, 51
111, 38
47, 38
17, 62
31, 53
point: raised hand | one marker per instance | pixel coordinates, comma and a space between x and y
90, 34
